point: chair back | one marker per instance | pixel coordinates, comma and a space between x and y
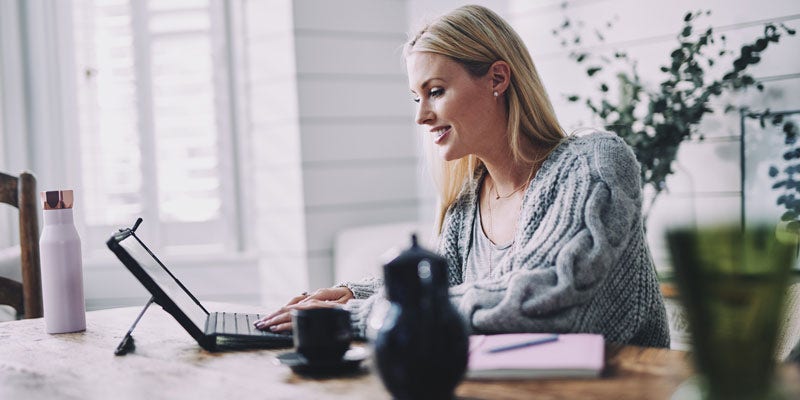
25, 296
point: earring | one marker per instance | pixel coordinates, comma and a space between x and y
495, 93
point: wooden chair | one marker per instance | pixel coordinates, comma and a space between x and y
26, 296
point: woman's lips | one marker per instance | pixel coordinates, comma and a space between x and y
439, 135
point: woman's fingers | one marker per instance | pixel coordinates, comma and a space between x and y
284, 309
281, 327
270, 321
297, 299
282, 319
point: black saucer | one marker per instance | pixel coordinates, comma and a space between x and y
350, 363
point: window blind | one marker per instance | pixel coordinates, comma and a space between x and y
151, 140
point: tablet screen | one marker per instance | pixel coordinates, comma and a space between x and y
166, 281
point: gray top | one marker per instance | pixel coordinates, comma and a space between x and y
579, 262
485, 256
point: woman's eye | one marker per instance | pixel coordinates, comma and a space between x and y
415, 99
436, 92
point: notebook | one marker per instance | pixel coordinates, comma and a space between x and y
568, 356
212, 331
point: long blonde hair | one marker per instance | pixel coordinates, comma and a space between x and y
476, 37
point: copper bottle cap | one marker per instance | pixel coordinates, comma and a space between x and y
57, 199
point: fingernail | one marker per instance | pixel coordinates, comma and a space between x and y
273, 328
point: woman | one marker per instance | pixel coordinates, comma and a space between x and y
542, 232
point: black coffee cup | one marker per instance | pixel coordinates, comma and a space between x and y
322, 335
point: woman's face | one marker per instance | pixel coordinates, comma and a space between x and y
457, 110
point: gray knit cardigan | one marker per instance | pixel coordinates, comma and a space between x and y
580, 262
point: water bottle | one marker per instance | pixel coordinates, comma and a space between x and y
62, 275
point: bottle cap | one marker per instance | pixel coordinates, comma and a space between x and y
57, 199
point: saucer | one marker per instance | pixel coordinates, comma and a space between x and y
349, 363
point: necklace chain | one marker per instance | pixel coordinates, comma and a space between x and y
498, 196
491, 217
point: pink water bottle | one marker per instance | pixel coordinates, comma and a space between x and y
62, 266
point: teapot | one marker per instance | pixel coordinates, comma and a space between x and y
422, 345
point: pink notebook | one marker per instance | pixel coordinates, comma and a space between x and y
568, 356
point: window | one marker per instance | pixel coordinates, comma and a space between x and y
154, 137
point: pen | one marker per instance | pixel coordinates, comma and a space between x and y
547, 339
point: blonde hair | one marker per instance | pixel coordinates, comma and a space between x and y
476, 37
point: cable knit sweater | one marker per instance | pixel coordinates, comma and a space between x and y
580, 262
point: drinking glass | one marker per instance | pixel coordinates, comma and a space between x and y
732, 283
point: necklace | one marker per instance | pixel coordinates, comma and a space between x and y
491, 225
497, 195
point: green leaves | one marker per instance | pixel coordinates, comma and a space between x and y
667, 113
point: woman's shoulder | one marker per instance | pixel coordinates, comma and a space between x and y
606, 154
590, 142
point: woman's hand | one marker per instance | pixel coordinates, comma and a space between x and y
281, 320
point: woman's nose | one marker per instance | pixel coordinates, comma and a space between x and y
424, 113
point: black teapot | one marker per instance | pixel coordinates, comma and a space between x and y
421, 347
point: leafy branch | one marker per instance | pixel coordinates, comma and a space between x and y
654, 121
785, 182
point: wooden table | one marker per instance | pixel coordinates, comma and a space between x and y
168, 364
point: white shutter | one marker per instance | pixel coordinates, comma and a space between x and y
151, 141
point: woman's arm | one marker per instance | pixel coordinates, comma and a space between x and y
364, 288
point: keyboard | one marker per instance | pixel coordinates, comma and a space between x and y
238, 324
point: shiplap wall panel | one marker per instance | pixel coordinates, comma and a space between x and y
363, 16
637, 21
675, 210
367, 55
320, 273
764, 148
324, 224
695, 172
353, 140
351, 83
348, 97
362, 182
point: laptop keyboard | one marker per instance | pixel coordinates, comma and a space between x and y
241, 325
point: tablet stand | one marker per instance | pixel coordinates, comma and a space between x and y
127, 344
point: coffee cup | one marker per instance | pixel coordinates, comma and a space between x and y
322, 335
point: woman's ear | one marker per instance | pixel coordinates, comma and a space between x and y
500, 73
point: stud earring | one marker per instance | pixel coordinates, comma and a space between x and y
495, 93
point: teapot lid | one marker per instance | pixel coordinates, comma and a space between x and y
404, 274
